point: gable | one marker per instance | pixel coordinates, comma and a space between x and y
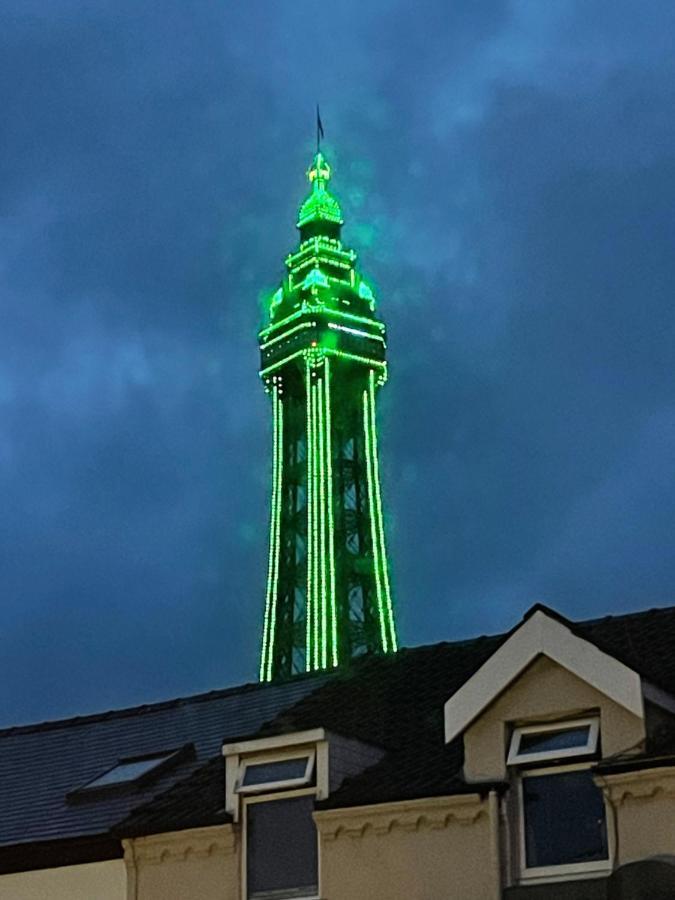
544, 692
542, 635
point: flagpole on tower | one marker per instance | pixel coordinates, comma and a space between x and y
319, 129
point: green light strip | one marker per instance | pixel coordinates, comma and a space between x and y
275, 530
314, 258
279, 512
270, 328
327, 351
364, 359
315, 529
322, 522
356, 331
331, 526
364, 320
281, 362
319, 252
288, 333
270, 564
310, 503
371, 510
380, 518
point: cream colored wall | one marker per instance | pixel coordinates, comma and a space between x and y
544, 692
644, 811
196, 864
434, 849
93, 881
437, 849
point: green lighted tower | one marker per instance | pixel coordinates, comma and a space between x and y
323, 361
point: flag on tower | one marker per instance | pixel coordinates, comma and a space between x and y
319, 128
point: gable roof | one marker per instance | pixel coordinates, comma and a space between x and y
394, 702
542, 632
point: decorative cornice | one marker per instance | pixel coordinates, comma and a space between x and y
643, 784
413, 815
194, 843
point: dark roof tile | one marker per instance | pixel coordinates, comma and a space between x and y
41, 764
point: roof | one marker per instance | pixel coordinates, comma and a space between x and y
41, 764
394, 702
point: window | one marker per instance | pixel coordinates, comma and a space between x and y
536, 743
275, 773
563, 827
563, 819
128, 771
278, 791
281, 848
132, 772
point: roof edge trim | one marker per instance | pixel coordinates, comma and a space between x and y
274, 742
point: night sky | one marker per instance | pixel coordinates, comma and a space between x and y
507, 175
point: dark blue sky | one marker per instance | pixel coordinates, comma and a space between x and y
507, 172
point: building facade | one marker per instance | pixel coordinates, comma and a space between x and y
536, 764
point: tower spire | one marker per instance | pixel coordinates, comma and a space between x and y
328, 595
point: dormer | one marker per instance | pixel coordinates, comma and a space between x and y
271, 786
538, 716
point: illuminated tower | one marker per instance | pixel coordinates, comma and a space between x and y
323, 361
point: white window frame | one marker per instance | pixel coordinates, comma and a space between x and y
266, 798
297, 743
517, 758
562, 871
268, 786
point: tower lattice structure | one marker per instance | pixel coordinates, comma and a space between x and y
323, 362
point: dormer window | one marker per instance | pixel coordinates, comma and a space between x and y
538, 743
562, 815
275, 773
272, 784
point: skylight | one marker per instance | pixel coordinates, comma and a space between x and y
127, 771
133, 771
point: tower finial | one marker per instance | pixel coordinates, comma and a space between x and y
319, 172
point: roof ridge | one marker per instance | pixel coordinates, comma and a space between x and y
142, 708
204, 696
624, 616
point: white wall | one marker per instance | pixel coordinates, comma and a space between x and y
93, 881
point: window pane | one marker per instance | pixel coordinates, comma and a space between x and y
540, 741
281, 849
564, 819
283, 770
130, 771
